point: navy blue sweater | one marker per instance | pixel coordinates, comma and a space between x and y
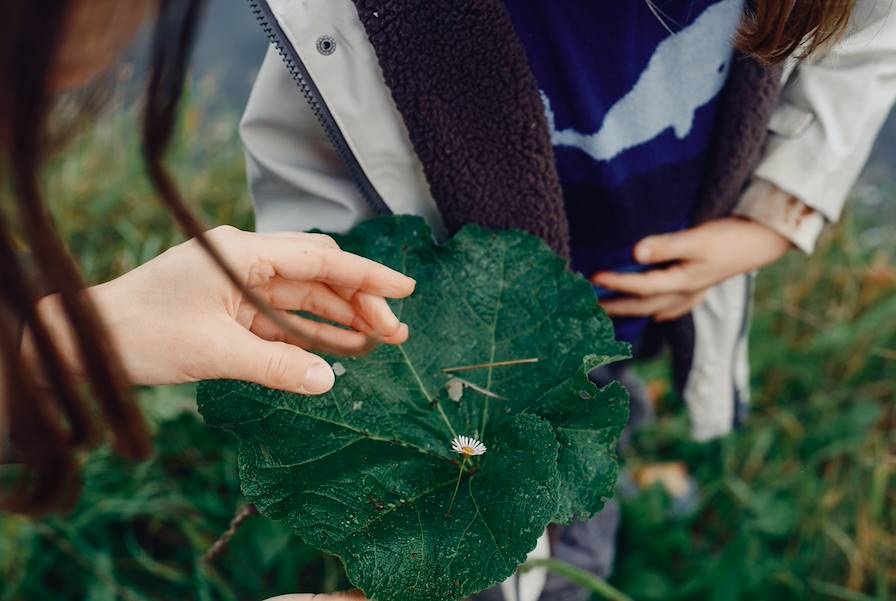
631, 96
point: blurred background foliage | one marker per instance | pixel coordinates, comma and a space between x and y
800, 504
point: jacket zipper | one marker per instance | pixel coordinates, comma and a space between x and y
300, 74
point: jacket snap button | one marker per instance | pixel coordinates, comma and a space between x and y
326, 45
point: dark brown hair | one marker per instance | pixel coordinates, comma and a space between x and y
51, 417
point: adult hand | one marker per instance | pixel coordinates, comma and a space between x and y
178, 318
700, 257
341, 596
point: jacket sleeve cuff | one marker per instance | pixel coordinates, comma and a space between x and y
784, 213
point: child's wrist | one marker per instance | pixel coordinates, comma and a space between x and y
765, 203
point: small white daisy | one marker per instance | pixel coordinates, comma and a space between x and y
467, 446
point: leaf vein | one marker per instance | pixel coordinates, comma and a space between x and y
312, 459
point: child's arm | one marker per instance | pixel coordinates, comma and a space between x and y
830, 112
821, 134
701, 257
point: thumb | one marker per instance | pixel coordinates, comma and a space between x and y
276, 365
666, 247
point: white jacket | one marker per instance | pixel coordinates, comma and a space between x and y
342, 154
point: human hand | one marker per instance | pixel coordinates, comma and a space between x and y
355, 595
701, 257
178, 318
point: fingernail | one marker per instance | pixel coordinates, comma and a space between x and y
318, 378
642, 253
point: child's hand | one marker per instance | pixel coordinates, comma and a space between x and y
178, 318
701, 257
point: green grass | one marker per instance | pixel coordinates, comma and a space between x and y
798, 505
104, 205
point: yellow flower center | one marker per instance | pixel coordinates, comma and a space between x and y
468, 451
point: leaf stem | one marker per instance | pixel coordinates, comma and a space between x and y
445, 417
425, 392
484, 416
579, 576
236, 523
510, 363
460, 474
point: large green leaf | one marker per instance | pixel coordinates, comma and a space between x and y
367, 472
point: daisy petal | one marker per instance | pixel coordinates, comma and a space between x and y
467, 446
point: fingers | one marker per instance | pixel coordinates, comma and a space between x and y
292, 259
361, 311
678, 278
321, 239
639, 307
312, 297
375, 311
680, 309
274, 364
668, 247
368, 312
299, 271
663, 307
345, 269
313, 335
399, 337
